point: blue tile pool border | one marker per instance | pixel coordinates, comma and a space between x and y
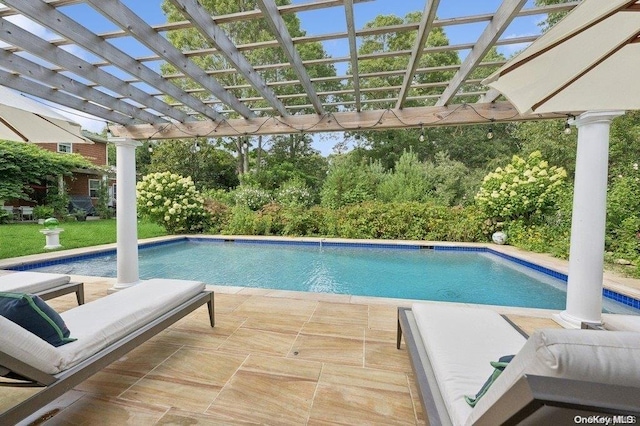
609, 294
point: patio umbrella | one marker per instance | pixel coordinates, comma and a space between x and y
25, 120
585, 62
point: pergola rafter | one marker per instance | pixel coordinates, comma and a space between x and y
94, 72
501, 20
279, 30
428, 16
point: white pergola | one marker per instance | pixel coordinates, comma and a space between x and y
82, 69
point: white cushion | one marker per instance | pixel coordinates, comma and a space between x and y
611, 357
29, 348
31, 282
621, 322
461, 342
99, 323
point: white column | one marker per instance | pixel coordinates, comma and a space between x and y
586, 256
126, 213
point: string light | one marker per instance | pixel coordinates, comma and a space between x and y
422, 137
195, 148
567, 127
490, 133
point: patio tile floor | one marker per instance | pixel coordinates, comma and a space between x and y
269, 360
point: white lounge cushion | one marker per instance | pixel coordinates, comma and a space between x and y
29, 348
461, 343
106, 320
611, 357
31, 282
621, 322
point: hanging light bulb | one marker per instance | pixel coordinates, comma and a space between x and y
150, 149
490, 133
195, 148
422, 137
567, 128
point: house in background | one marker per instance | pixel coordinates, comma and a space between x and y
83, 186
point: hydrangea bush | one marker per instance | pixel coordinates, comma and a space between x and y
294, 193
172, 201
252, 197
524, 189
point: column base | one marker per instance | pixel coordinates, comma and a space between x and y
121, 286
569, 321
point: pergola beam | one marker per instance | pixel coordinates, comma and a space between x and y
67, 27
507, 11
426, 24
333, 122
353, 50
15, 35
38, 90
280, 31
125, 18
35, 71
217, 37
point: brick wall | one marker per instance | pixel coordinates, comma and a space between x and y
96, 152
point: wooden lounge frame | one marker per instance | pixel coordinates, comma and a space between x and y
58, 384
61, 290
532, 399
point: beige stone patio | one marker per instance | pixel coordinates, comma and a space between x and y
274, 357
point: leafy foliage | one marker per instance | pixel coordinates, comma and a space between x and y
22, 164
294, 193
172, 201
524, 189
251, 197
208, 167
349, 182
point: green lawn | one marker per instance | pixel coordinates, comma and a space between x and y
19, 239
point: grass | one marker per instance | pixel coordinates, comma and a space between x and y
20, 239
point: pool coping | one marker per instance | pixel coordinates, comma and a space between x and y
615, 287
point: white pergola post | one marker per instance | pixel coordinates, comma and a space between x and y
126, 213
586, 256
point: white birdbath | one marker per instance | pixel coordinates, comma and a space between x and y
52, 236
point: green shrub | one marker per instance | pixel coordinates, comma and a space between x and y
294, 193
219, 214
42, 212
408, 181
172, 201
241, 221
349, 182
251, 196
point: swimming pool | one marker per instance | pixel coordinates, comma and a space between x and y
395, 271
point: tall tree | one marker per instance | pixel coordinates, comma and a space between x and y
245, 32
208, 166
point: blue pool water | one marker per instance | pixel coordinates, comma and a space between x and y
453, 276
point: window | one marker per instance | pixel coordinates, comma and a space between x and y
94, 188
64, 147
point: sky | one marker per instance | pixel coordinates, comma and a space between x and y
313, 22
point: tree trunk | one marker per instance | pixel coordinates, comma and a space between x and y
240, 152
259, 154
246, 154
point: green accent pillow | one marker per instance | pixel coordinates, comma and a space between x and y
33, 314
499, 367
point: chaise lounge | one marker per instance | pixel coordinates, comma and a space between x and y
45, 285
555, 375
104, 329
